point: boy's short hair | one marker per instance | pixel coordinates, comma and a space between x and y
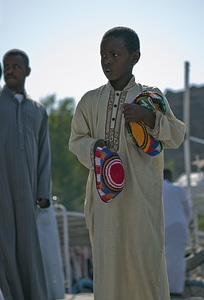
129, 36
13, 52
0, 70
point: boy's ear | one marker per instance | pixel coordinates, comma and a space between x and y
28, 71
135, 57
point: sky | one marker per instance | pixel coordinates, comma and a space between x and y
62, 39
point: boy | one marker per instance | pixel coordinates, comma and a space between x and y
127, 233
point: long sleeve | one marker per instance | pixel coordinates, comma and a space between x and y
83, 134
168, 129
44, 162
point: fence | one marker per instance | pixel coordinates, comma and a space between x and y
74, 244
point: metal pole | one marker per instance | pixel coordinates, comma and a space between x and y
67, 266
187, 150
186, 105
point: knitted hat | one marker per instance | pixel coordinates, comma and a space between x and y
109, 171
138, 131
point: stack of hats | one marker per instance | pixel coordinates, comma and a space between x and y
137, 130
109, 171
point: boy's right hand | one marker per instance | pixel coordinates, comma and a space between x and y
100, 143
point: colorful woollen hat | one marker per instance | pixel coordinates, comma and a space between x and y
109, 171
137, 130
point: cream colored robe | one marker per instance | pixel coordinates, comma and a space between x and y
127, 234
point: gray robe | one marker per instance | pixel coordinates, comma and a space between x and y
25, 177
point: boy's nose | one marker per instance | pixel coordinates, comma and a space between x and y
107, 60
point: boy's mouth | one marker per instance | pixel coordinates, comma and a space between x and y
107, 71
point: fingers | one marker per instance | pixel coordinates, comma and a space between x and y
133, 113
43, 203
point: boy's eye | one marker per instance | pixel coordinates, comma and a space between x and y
113, 54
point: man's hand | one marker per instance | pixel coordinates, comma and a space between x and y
43, 203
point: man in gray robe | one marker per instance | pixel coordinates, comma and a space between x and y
24, 184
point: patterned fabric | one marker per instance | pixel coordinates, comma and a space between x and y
109, 171
138, 131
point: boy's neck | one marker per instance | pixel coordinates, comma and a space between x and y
120, 85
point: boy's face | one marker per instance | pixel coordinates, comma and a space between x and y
15, 72
116, 61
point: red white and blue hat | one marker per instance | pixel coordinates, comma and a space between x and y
109, 171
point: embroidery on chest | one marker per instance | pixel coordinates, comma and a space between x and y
113, 119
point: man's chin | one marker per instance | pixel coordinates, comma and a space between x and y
12, 86
10, 82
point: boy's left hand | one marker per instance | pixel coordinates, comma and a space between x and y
137, 113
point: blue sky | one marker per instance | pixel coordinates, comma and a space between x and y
62, 39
